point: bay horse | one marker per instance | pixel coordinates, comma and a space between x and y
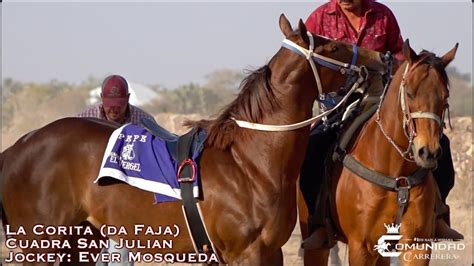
398, 140
248, 177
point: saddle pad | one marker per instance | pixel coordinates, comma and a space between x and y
136, 157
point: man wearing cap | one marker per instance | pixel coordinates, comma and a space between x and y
115, 107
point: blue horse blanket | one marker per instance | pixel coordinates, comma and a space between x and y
137, 157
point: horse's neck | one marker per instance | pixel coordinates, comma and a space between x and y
373, 147
277, 156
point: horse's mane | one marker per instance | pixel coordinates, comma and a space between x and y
256, 99
433, 61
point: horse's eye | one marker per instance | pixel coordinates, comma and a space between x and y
334, 49
409, 92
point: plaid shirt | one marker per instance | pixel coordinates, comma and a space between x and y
133, 114
378, 31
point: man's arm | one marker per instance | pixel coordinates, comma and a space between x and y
394, 39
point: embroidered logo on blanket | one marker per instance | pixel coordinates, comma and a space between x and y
137, 157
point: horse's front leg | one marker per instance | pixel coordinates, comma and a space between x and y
359, 255
276, 258
254, 256
316, 257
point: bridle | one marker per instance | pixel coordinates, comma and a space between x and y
314, 58
409, 127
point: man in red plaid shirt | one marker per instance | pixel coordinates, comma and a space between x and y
365, 23
114, 105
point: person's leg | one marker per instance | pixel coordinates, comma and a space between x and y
311, 181
444, 173
103, 251
313, 168
124, 261
123, 255
444, 176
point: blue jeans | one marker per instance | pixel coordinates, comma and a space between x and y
123, 255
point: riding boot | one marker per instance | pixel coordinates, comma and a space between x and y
318, 239
443, 229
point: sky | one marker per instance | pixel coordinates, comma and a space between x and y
174, 43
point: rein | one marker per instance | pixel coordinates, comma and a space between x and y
314, 58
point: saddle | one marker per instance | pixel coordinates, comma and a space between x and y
181, 149
172, 140
351, 122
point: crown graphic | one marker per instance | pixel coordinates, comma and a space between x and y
392, 228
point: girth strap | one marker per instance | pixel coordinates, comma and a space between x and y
186, 175
401, 185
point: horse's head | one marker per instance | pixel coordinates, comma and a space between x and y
424, 99
332, 62
304, 67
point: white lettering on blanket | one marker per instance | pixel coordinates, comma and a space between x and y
114, 157
128, 153
132, 138
131, 166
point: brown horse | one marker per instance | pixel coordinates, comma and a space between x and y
248, 177
399, 139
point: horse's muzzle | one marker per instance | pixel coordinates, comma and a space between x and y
427, 158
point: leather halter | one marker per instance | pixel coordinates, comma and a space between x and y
409, 127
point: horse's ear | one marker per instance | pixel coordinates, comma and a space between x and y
303, 31
449, 56
285, 26
408, 53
